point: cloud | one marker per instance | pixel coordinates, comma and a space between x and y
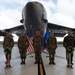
65, 13
67, 7
9, 18
13, 2
10, 15
61, 12
63, 19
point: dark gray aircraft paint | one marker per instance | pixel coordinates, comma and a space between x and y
33, 18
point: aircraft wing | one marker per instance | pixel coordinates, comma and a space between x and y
58, 27
59, 30
15, 30
2, 33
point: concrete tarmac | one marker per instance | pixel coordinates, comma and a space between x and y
32, 69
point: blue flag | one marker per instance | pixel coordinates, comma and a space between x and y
47, 35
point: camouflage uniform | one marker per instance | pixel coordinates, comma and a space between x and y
23, 44
51, 45
37, 44
8, 44
69, 42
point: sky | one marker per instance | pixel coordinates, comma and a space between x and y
61, 12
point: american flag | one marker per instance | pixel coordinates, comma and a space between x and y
30, 48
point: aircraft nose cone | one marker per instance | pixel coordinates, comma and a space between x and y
30, 13
29, 8
31, 19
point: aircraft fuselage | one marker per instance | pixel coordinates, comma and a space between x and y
34, 17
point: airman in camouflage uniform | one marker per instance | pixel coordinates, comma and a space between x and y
8, 44
37, 44
51, 45
69, 42
23, 44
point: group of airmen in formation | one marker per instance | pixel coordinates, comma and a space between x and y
51, 45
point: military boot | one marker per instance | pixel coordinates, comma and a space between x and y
53, 62
24, 62
10, 65
21, 62
36, 61
50, 62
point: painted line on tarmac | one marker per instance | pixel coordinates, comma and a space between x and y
41, 69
